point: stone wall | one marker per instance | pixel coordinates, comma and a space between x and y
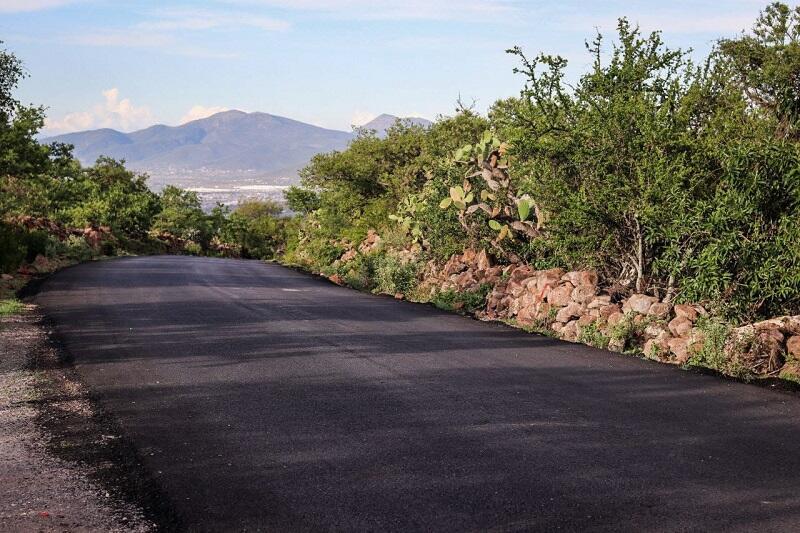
573, 306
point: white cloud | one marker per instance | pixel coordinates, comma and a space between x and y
138, 38
15, 6
124, 38
477, 10
198, 19
199, 111
111, 113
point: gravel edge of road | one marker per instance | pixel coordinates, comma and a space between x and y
64, 465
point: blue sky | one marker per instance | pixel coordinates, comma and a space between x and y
129, 64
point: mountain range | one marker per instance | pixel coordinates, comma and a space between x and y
227, 142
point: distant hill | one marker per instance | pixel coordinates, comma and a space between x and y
227, 142
381, 123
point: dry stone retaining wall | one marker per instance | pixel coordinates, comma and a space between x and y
573, 307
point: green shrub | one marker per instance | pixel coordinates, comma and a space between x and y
78, 249
12, 248
716, 333
394, 276
466, 302
592, 336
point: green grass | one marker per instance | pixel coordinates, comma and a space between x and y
10, 307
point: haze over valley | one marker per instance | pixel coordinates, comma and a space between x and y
225, 157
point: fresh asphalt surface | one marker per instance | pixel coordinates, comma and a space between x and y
261, 398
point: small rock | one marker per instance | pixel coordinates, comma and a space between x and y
6, 277
680, 326
679, 347
657, 347
521, 273
572, 310
616, 345
548, 278
686, 311
482, 261
793, 347
696, 341
584, 293
600, 301
654, 330
349, 255
585, 320
607, 310
639, 303
543, 311
586, 278
525, 316
615, 318
570, 331
659, 310
791, 370
561, 296
42, 264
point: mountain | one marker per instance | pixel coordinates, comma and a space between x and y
381, 123
227, 143
231, 141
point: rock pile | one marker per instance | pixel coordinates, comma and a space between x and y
573, 307
768, 347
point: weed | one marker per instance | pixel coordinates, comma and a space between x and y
592, 336
10, 307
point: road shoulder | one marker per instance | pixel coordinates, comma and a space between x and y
63, 467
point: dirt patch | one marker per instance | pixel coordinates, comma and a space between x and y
64, 465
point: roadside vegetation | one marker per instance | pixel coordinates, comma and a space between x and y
54, 211
667, 176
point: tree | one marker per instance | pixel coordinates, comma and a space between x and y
21, 156
254, 225
182, 215
766, 66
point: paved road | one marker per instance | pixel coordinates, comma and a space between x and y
265, 399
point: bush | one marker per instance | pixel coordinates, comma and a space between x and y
12, 248
394, 276
77, 249
466, 302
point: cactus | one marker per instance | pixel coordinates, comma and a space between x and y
507, 213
